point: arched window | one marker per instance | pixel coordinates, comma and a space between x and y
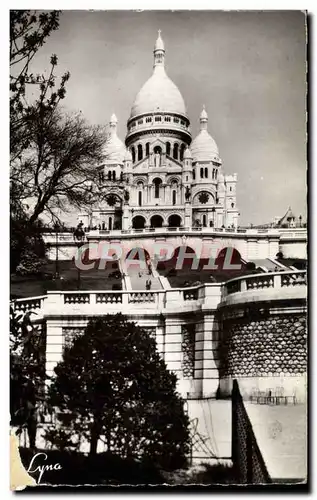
232, 205
175, 151
201, 172
206, 172
204, 220
216, 173
174, 197
110, 223
133, 154
140, 152
168, 148
182, 152
140, 198
147, 149
121, 176
113, 175
230, 189
194, 174
109, 175
157, 183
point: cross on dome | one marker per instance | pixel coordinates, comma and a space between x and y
159, 44
113, 119
203, 115
113, 124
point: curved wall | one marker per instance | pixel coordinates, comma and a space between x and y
266, 351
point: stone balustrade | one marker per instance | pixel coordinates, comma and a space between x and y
289, 233
265, 280
210, 295
33, 304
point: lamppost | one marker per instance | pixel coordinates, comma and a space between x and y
79, 236
56, 228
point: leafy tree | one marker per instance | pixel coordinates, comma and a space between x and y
27, 372
51, 152
113, 385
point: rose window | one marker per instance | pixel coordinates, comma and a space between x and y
111, 200
203, 198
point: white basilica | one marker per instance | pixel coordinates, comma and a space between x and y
160, 177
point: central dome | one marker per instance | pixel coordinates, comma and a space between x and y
159, 93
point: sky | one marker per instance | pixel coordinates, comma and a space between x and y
248, 68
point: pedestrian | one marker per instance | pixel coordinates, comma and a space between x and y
150, 284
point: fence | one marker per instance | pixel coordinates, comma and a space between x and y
248, 463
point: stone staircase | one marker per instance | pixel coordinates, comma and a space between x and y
138, 278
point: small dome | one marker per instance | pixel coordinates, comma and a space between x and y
128, 155
187, 154
115, 149
203, 147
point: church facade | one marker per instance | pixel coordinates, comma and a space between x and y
160, 177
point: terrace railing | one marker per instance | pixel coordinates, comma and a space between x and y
275, 280
209, 295
67, 237
28, 304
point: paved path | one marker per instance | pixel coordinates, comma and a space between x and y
281, 435
211, 420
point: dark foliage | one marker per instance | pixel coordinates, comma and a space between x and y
27, 372
113, 385
51, 153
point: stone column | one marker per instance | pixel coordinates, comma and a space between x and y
173, 346
126, 219
168, 195
188, 222
208, 332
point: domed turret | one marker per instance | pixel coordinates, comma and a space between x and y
203, 147
187, 154
128, 155
115, 149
